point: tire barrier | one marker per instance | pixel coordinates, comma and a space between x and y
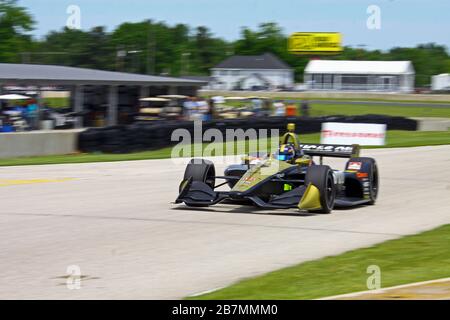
145, 136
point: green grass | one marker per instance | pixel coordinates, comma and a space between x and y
85, 158
397, 138
416, 258
382, 100
57, 102
376, 100
309, 97
394, 139
318, 110
401, 111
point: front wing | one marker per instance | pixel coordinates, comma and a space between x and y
199, 194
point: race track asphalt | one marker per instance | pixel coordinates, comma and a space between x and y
116, 222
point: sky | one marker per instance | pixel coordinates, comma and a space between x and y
402, 22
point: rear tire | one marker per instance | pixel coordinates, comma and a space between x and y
369, 166
322, 178
202, 171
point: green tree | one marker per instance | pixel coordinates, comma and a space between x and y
268, 38
15, 23
151, 47
158, 48
79, 48
428, 60
206, 50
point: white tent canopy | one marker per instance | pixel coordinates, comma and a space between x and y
173, 96
218, 99
359, 67
152, 99
235, 98
13, 97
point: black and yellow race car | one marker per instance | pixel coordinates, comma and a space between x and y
289, 178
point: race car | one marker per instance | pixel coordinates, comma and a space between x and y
289, 178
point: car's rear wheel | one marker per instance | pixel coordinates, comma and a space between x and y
322, 178
202, 171
369, 166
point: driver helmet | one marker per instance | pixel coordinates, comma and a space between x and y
286, 152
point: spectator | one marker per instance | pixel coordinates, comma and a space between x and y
280, 109
197, 109
291, 110
203, 109
257, 106
19, 108
305, 108
32, 110
188, 108
212, 109
267, 107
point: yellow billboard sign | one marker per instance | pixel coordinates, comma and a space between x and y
315, 43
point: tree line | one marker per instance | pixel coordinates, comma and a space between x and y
153, 47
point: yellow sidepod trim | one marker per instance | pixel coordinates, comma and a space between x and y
311, 199
183, 184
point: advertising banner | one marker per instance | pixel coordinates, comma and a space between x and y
315, 43
365, 134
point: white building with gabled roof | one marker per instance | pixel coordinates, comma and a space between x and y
265, 71
344, 75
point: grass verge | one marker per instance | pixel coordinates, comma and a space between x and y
318, 110
321, 109
410, 259
394, 139
57, 102
309, 97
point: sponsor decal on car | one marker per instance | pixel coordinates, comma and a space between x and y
327, 148
362, 175
249, 180
354, 166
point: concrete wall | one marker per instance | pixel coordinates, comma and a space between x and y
38, 143
433, 124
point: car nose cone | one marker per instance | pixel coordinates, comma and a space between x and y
236, 195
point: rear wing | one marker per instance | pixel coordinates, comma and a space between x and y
331, 150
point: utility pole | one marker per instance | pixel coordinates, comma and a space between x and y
149, 64
185, 62
120, 56
151, 49
154, 54
135, 59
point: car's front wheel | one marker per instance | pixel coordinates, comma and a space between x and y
322, 178
202, 171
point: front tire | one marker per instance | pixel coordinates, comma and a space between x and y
202, 171
322, 177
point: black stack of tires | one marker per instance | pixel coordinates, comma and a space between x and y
152, 136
